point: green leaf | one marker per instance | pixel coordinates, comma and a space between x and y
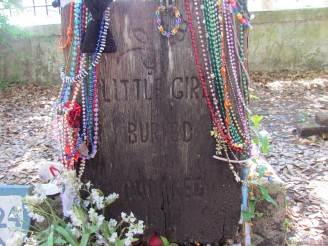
120, 243
258, 214
67, 234
255, 141
261, 169
85, 239
251, 96
247, 216
51, 239
252, 207
93, 229
165, 241
59, 241
264, 141
266, 195
256, 119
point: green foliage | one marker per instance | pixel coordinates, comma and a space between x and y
266, 195
86, 224
251, 96
258, 192
165, 241
261, 170
256, 119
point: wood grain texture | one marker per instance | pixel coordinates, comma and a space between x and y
155, 149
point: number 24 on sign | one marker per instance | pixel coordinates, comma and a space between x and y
11, 216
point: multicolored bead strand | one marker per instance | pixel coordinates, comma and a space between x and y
224, 74
176, 27
225, 137
239, 16
79, 140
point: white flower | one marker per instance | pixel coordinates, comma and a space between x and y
17, 238
93, 215
69, 181
129, 234
111, 198
132, 219
101, 219
76, 220
140, 227
33, 200
37, 217
127, 242
112, 222
86, 202
100, 205
88, 185
100, 239
124, 217
113, 238
97, 199
76, 233
39, 192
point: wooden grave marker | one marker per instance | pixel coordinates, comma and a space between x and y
155, 148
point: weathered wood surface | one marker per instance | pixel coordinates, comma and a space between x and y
155, 149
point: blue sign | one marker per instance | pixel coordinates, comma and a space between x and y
12, 212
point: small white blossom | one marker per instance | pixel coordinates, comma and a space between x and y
113, 238
100, 239
140, 227
97, 199
33, 200
127, 242
111, 198
76, 220
100, 221
88, 185
76, 233
112, 222
17, 238
132, 219
37, 217
124, 217
86, 202
39, 191
94, 217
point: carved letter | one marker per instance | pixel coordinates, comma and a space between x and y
147, 97
131, 131
144, 132
194, 87
187, 131
178, 94
138, 87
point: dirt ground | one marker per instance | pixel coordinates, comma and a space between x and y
286, 99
